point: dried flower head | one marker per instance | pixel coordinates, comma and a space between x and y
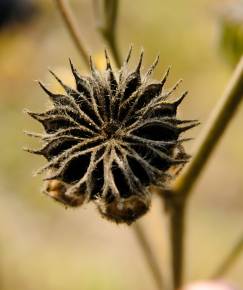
111, 138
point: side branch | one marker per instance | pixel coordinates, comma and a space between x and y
217, 124
215, 128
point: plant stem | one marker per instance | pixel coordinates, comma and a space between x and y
179, 194
230, 260
150, 258
177, 233
70, 22
213, 131
107, 29
73, 29
107, 24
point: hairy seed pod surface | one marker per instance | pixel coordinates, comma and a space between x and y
110, 139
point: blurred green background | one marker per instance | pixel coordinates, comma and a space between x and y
44, 246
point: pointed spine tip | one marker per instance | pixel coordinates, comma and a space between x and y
140, 61
25, 111
152, 67
44, 88
108, 63
70, 62
129, 54
177, 84
179, 122
58, 79
31, 114
34, 174
91, 64
71, 65
165, 77
55, 76
65, 87
32, 151
156, 61
185, 140
31, 134
25, 149
174, 87
26, 132
186, 128
178, 102
180, 161
74, 70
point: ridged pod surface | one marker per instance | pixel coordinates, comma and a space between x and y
110, 139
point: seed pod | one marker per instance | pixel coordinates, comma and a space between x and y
110, 139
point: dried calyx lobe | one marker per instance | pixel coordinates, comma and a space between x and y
109, 139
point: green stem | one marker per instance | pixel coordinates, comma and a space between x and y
210, 137
230, 260
73, 29
177, 234
213, 131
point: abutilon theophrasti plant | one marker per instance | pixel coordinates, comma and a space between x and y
110, 139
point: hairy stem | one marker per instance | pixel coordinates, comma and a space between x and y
229, 260
72, 27
220, 118
150, 257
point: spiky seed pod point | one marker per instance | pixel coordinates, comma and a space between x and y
110, 139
